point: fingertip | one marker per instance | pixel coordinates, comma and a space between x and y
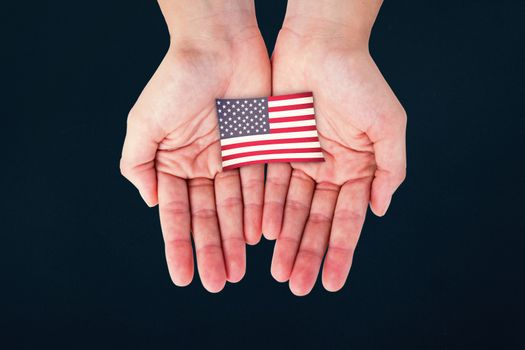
298, 290
236, 276
332, 282
380, 206
269, 236
278, 273
182, 280
214, 286
214, 280
300, 284
235, 269
150, 197
332, 287
253, 239
334, 275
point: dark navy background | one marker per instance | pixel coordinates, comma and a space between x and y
82, 256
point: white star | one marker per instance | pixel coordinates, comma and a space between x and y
220, 111
245, 101
240, 132
220, 119
231, 133
262, 107
218, 102
228, 102
254, 101
237, 102
233, 113
264, 129
229, 118
222, 134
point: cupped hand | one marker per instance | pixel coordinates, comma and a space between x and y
172, 155
317, 210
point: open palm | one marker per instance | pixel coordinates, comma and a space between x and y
172, 155
318, 208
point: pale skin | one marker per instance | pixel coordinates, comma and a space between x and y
172, 152
315, 211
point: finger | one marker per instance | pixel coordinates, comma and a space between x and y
229, 211
137, 163
349, 216
296, 212
252, 181
174, 211
275, 189
390, 153
206, 235
314, 240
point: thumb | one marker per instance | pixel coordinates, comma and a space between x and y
138, 158
388, 137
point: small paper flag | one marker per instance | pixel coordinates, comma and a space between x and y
268, 129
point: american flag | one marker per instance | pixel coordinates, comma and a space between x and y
268, 129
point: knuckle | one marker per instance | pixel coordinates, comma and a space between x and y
230, 202
319, 218
176, 207
204, 213
349, 215
292, 204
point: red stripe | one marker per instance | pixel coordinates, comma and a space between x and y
272, 151
294, 129
285, 160
290, 96
268, 142
290, 107
292, 119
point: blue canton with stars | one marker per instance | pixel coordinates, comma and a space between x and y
243, 117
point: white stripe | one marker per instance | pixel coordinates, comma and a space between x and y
292, 101
291, 113
272, 156
283, 135
229, 152
292, 124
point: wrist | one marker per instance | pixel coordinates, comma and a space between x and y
216, 21
347, 21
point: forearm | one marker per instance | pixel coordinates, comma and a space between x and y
210, 20
349, 19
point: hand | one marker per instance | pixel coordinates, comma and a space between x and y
172, 151
318, 208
